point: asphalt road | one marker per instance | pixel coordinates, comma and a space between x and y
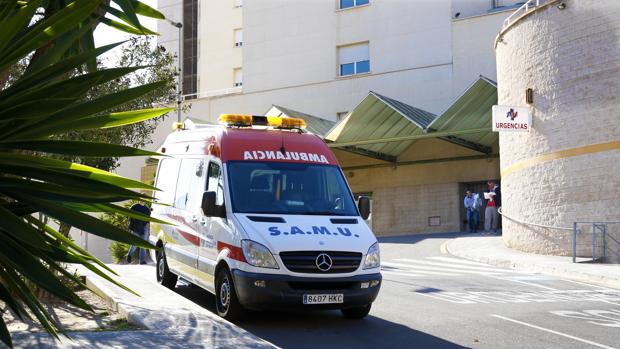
430, 299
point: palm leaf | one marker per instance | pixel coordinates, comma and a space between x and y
77, 148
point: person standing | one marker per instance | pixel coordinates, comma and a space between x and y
494, 201
140, 228
472, 212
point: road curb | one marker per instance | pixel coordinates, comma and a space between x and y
180, 319
105, 293
562, 271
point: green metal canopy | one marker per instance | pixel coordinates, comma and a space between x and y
314, 124
383, 128
471, 111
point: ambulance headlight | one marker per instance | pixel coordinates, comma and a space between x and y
373, 258
258, 255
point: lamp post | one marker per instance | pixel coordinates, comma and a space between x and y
179, 26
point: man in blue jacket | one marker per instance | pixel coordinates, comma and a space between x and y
140, 228
472, 211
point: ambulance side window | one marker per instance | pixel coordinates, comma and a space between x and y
215, 182
189, 185
196, 183
167, 180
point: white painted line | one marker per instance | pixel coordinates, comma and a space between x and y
417, 272
460, 261
416, 268
525, 283
554, 332
462, 301
451, 266
593, 286
399, 273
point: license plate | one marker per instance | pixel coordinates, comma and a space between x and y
323, 298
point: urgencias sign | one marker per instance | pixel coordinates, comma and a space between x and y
511, 119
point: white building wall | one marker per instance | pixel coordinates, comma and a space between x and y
473, 39
418, 53
217, 54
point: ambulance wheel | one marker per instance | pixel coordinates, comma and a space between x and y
357, 312
226, 301
164, 276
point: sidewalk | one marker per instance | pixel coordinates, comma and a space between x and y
166, 314
491, 250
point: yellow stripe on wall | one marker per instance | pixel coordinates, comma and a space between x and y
567, 153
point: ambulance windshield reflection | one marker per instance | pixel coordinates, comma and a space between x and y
289, 188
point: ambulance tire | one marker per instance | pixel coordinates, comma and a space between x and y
357, 312
226, 302
164, 276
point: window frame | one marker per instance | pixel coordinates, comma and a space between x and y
237, 44
220, 197
355, 64
235, 83
355, 4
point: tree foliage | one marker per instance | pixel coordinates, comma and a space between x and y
159, 66
53, 38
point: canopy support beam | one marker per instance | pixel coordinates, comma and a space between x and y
438, 134
420, 162
371, 154
467, 144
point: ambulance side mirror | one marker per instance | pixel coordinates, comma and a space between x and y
208, 203
363, 204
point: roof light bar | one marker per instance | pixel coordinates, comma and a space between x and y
257, 120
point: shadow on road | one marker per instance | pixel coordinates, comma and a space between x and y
324, 329
412, 239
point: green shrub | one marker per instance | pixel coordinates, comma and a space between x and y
119, 250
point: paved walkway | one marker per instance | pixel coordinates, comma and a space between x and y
491, 250
171, 320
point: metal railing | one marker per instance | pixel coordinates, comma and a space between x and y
530, 4
531, 224
604, 241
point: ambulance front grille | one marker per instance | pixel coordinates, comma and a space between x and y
305, 261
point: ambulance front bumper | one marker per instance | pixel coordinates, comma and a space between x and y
270, 291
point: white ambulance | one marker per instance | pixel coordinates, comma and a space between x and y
264, 219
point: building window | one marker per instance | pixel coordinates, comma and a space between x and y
341, 115
354, 59
238, 37
238, 77
352, 3
190, 48
238, 3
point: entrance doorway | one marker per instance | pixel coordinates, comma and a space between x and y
479, 188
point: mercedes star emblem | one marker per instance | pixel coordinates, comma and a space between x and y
323, 262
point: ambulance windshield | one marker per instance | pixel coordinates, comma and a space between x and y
289, 188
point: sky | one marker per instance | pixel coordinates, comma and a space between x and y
106, 35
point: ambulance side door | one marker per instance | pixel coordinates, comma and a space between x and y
186, 203
207, 251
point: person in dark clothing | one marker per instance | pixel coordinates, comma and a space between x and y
140, 228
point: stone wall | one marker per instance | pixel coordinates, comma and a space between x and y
406, 209
567, 168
